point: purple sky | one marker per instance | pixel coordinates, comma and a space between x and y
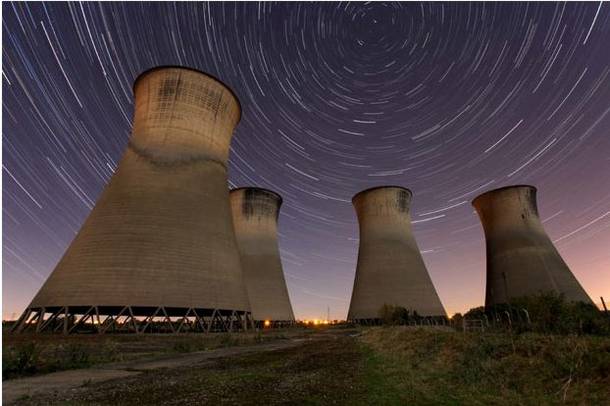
449, 100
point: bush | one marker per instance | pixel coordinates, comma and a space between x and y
400, 315
545, 313
228, 340
476, 313
76, 356
550, 312
393, 315
457, 319
397, 315
385, 314
22, 360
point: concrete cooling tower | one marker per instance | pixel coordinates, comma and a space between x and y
521, 259
158, 251
390, 268
255, 215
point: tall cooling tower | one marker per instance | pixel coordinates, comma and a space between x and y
390, 268
255, 215
159, 243
521, 259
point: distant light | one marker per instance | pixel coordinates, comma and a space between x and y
267, 323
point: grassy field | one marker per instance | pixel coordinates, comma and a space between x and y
445, 368
385, 366
28, 355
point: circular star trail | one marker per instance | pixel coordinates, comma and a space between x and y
449, 100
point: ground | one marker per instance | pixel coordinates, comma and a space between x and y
31, 354
349, 366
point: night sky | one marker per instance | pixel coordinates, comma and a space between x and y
449, 100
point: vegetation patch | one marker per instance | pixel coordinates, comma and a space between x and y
392, 365
431, 366
318, 372
547, 313
27, 355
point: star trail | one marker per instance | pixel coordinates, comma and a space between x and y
449, 100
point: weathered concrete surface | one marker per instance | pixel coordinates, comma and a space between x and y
521, 258
255, 216
161, 233
390, 268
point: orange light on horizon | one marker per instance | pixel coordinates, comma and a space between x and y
267, 323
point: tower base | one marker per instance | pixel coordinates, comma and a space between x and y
419, 321
262, 324
130, 319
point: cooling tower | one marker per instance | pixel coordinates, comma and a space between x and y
390, 268
521, 259
255, 215
159, 242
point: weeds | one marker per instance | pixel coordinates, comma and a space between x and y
31, 358
22, 360
547, 313
494, 368
228, 340
182, 346
74, 356
32, 355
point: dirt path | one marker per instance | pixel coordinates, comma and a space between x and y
326, 367
65, 381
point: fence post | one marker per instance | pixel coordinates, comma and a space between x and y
510, 323
527, 316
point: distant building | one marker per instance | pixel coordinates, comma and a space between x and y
390, 268
521, 259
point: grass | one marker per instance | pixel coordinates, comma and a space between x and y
379, 366
27, 355
319, 372
423, 366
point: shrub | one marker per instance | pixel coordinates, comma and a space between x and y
22, 360
545, 313
228, 340
78, 356
456, 320
398, 315
385, 314
550, 312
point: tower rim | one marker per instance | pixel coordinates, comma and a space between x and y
145, 72
493, 191
362, 192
